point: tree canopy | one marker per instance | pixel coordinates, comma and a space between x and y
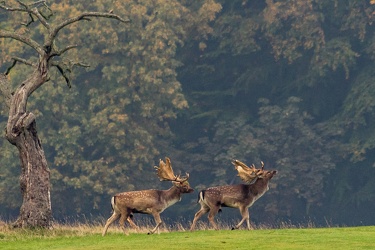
286, 82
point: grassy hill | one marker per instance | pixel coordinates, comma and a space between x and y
89, 237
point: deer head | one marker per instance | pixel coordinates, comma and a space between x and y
165, 173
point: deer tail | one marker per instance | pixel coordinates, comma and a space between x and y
201, 196
113, 202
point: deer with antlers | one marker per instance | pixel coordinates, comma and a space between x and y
151, 201
241, 196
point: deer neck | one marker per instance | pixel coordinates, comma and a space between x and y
172, 195
260, 186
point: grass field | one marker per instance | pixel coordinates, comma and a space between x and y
89, 237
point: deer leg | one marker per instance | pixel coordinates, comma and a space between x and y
122, 222
248, 223
111, 219
131, 222
211, 215
199, 214
158, 223
245, 216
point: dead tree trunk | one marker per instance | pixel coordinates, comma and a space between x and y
34, 178
35, 175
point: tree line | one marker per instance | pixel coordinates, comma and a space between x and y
289, 83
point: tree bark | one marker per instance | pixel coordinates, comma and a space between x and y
35, 175
34, 179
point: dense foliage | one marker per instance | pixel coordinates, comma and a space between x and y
203, 82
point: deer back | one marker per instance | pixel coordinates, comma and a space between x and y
137, 201
148, 201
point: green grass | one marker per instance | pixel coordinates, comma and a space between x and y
89, 237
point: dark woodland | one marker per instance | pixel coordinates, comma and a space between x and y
91, 97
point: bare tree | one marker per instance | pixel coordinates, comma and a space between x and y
21, 126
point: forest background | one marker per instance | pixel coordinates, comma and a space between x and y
291, 83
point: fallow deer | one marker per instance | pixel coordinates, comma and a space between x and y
241, 196
151, 201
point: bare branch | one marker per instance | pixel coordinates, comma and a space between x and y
28, 41
41, 2
59, 53
10, 67
82, 65
15, 60
24, 61
81, 17
7, 8
50, 10
30, 21
26, 7
31, 11
65, 70
23, 4
41, 18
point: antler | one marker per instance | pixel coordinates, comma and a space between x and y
246, 173
262, 163
165, 172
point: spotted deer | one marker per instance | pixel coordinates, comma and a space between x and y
151, 201
241, 196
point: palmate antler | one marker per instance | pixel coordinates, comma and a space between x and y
165, 172
247, 174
